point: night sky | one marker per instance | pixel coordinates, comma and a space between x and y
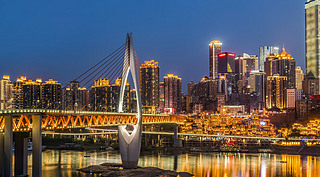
61, 39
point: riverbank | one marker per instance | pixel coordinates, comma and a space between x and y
116, 170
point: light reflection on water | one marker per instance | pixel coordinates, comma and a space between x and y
65, 163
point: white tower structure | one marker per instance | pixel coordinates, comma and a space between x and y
130, 144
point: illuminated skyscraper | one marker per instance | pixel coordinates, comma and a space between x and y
276, 96
172, 93
214, 51
18, 92
312, 32
51, 94
32, 94
6, 93
105, 96
265, 51
75, 97
299, 77
149, 84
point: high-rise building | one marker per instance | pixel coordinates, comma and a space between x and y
310, 85
149, 84
250, 63
6, 93
75, 97
161, 100
51, 94
214, 51
265, 51
282, 64
312, 32
105, 96
172, 93
291, 98
276, 96
204, 93
18, 92
299, 77
285, 65
32, 94
226, 62
256, 87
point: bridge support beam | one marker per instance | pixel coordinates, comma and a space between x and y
21, 154
7, 146
176, 141
1, 154
36, 146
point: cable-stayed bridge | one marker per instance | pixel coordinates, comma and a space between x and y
111, 103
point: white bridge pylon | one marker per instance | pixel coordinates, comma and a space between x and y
130, 144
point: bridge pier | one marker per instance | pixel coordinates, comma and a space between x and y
1, 155
176, 141
36, 146
7, 146
21, 154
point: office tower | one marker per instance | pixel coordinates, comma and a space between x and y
214, 51
299, 77
276, 97
310, 85
172, 93
105, 96
291, 98
32, 94
265, 51
282, 64
268, 64
250, 63
161, 100
285, 65
18, 92
75, 97
256, 90
6, 93
191, 88
51, 94
226, 62
190, 98
312, 45
149, 85
204, 93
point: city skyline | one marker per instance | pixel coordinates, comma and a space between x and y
58, 48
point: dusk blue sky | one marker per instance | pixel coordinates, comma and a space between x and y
61, 39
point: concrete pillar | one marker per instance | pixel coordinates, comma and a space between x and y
1, 155
21, 154
159, 140
8, 139
176, 141
36, 146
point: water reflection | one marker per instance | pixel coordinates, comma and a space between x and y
65, 163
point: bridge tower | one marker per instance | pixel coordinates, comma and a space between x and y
130, 144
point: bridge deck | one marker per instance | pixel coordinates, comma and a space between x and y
59, 119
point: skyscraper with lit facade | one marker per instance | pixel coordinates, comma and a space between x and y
75, 97
51, 94
214, 51
281, 76
6, 93
32, 94
265, 51
172, 93
149, 85
105, 96
312, 32
299, 77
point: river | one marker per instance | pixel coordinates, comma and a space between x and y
64, 163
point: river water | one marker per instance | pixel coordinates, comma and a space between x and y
64, 163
